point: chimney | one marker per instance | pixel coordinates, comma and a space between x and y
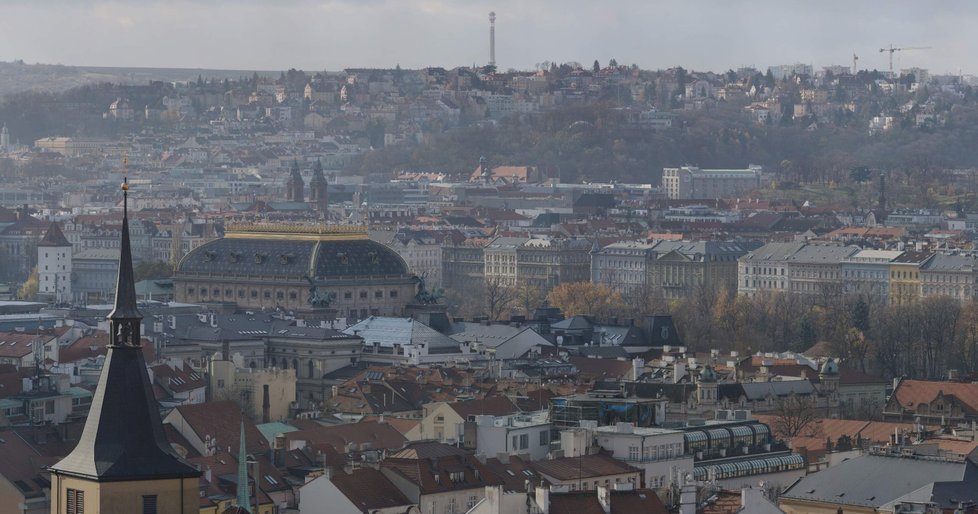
543, 499
604, 498
278, 453
226, 350
264, 404
678, 372
687, 499
637, 366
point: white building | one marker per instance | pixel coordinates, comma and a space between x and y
621, 266
525, 434
689, 182
4, 139
657, 451
54, 266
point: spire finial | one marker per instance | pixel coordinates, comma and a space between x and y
125, 184
125, 317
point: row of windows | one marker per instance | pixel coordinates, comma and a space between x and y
279, 295
75, 502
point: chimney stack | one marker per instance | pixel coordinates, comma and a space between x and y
604, 498
265, 404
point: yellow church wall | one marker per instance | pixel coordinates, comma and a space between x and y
173, 496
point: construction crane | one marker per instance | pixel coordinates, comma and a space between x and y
892, 49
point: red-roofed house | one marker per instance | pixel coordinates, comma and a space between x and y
214, 427
364, 490
445, 422
25, 485
180, 381
934, 402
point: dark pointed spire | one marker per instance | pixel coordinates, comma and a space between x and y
54, 237
243, 496
125, 317
123, 437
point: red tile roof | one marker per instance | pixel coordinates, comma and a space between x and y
911, 393
92, 346
223, 420
596, 369
369, 435
491, 406
20, 344
587, 466
642, 501
369, 489
23, 466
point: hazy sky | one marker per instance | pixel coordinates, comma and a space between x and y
333, 34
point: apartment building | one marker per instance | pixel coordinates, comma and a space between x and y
622, 266
690, 182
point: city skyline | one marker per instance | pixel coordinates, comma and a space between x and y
344, 34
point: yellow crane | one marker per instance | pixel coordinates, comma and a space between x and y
892, 49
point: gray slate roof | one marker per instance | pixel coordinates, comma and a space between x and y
872, 480
388, 331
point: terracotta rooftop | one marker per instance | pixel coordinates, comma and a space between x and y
92, 346
587, 466
23, 466
368, 435
369, 489
911, 393
492, 406
642, 501
222, 420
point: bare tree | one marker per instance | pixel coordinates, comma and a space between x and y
498, 297
793, 413
528, 297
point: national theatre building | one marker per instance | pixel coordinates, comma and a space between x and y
298, 268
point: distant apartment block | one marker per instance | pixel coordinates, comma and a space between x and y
672, 268
799, 268
783, 71
890, 276
689, 182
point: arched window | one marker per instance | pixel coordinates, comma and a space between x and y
285, 363
295, 364
312, 369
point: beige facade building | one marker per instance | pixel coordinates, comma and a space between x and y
264, 394
690, 182
678, 268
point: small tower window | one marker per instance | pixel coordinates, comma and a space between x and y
149, 504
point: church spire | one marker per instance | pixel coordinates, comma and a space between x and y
123, 438
243, 495
125, 319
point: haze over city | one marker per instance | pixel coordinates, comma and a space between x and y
468, 257
710, 35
